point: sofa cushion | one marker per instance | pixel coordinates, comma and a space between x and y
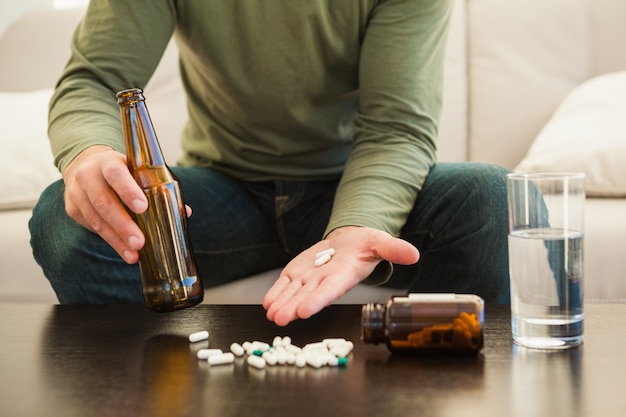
26, 163
587, 133
524, 57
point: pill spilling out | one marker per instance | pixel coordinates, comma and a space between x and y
328, 352
221, 359
198, 336
205, 353
256, 361
237, 349
332, 352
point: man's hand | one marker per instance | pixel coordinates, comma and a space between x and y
304, 289
95, 181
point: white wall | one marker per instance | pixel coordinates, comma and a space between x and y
11, 10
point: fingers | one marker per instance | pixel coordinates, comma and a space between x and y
95, 184
112, 222
283, 309
118, 179
305, 288
327, 292
289, 300
279, 286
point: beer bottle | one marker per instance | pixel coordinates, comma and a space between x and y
168, 272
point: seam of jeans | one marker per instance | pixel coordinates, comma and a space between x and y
280, 203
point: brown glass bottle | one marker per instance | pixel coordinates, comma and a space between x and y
168, 271
425, 322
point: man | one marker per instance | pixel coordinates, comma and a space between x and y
312, 125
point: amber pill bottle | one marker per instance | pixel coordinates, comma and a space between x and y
425, 322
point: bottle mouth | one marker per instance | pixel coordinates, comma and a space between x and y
372, 324
129, 95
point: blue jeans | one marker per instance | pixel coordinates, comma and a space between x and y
459, 224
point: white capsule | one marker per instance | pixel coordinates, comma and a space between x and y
256, 361
321, 260
333, 361
237, 349
290, 358
286, 341
281, 357
278, 341
269, 358
341, 351
314, 361
258, 345
328, 252
246, 345
300, 360
334, 341
205, 353
198, 336
315, 346
325, 357
221, 359
293, 349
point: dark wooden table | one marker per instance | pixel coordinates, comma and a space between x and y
125, 361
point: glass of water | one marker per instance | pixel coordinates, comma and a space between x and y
546, 231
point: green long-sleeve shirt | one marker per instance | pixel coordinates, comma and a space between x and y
276, 89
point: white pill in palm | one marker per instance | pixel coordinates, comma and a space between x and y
328, 252
322, 260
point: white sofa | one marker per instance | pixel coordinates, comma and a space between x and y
510, 65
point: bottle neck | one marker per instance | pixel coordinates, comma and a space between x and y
142, 146
372, 323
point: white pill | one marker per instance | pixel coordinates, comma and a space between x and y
293, 349
258, 345
269, 357
256, 361
198, 336
286, 341
291, 358
281, 357
246, 345
278, 341
237, 349
314, 361
222, 359
322, 260
328, 252
300, 360
333, 361
334, 341
314, 346
343, 350
205, 353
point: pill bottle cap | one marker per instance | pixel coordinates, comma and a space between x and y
372, 323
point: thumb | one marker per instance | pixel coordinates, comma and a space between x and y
397, 251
